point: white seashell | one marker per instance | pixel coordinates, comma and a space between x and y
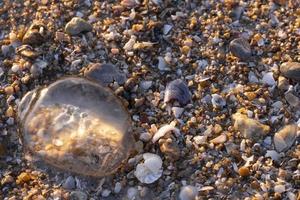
188, 192
129, 45
163, 130
167, 29
285, 137
200, 139
273, 154
150, 170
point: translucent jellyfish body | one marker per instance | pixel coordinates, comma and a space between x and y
76, 125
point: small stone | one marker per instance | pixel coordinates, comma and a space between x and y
132, 193
188, 192
244, 171
145, 137
146, 85
249, 128
35, 35
7, 180
170, 149
9, 90
293, 100
279, 188
240, 48
77, 25
218, 101
35, 70
285, 138
78, 195
69, 183
7, 50
177, 111
9, 112
269, 79
219, 140
283, 83
200, 139
291, 70
162, 64
24, 177
62, 37
2, 150
118, 187
105, 193
167, 28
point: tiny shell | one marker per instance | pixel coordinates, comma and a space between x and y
179, 91
150, 170
163, 130
285, 138
104, 74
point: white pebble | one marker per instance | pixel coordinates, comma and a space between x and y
199, 139
105, 193
118, 187
279, 188
15, 68
269, 79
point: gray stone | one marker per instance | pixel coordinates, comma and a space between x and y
69, 183
240, 48
78, 195
291, 70
77, 25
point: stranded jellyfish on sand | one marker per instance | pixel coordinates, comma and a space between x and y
76, 125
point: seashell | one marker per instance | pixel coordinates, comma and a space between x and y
218, 101
76, 125
104, 74
177, 90
163, 130
285, 138
150, 170
188, 192
240, 48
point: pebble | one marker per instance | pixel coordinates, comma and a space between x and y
145, 136
293, 100
200, 139
169, 148
34, 35
77, 25
249, 128
269, 79
7, 50
78, 195
104, 74
240, 48
283, 83
177, 90
105, 193
279, 188
273, 155
244, 171
69, 183
177, 111
285, 138
118, 187
291, 70
162, 64
188, 192
24, 177
167, 28
218, 101
9, 90
146, 85
219, 140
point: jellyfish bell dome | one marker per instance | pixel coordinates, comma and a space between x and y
76, 125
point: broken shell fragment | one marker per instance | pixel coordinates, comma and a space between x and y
104, 74
285, 138
177, 90
76, 125
150, 170
163, 130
